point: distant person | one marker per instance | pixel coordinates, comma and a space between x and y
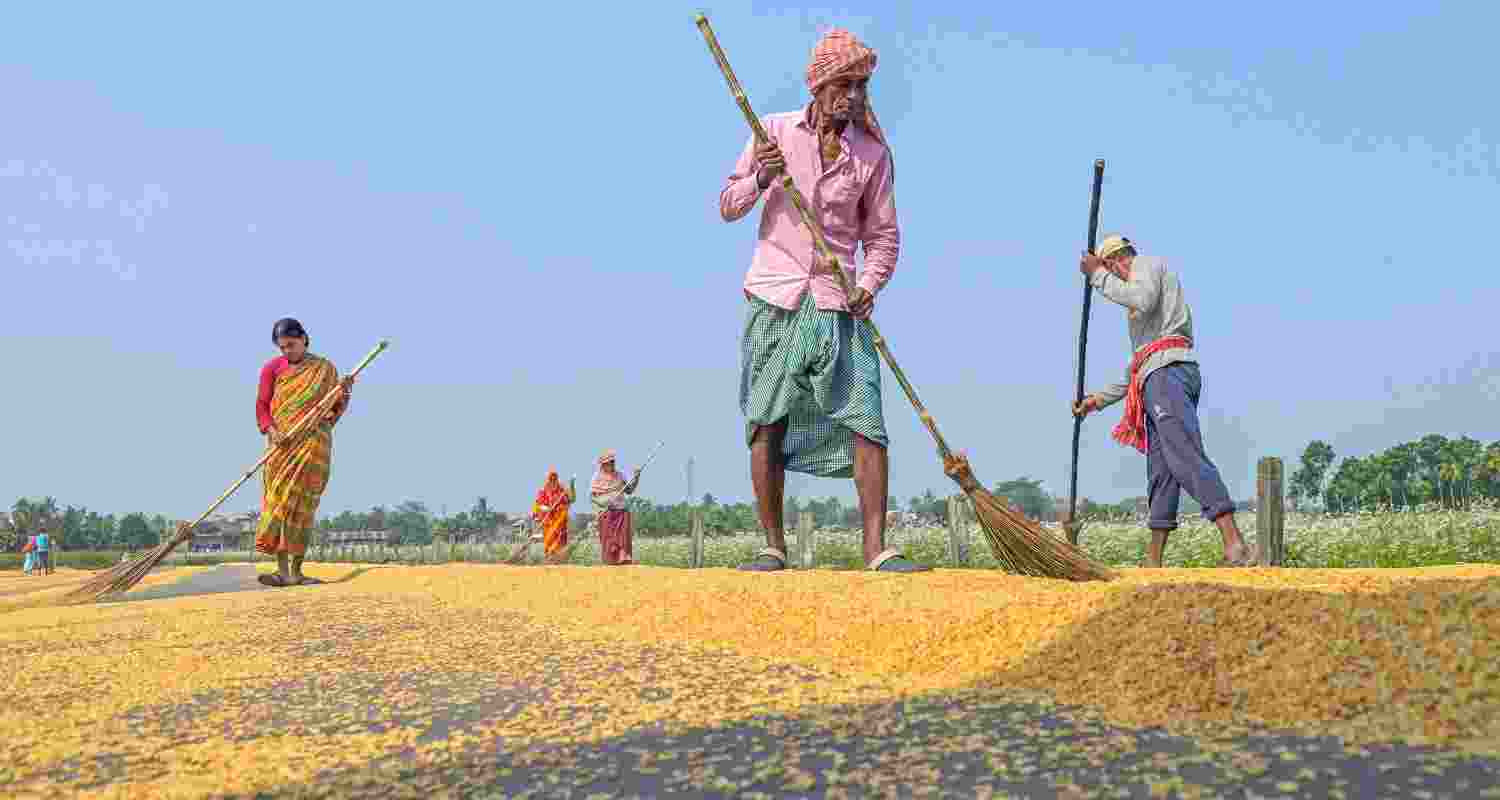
1161, 390
30, 550
44, 550
550, 510
609, 490
297, 472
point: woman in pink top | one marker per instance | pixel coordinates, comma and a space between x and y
295, 476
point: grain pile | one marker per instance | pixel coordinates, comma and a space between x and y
1281, 647
253, 690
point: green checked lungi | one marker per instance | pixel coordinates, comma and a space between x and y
820, 371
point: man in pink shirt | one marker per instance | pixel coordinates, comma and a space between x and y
809, 371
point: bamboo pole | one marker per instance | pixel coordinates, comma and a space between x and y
958, 531
1270, 512
805, 533
697, 533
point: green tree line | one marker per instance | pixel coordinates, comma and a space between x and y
412, 522
1432, 469
77, 528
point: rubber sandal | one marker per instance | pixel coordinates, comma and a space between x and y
769, 559
893, 561
273, 580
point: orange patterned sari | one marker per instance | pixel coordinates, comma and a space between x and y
296, 475
550, 510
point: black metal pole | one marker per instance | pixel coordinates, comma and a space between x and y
1083, 343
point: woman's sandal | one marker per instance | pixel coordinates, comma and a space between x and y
769, 559
893, 561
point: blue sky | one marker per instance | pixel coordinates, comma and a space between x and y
525, 201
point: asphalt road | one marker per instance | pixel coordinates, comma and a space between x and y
220, 579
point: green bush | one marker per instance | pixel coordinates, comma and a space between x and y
76, 559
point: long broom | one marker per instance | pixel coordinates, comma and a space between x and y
120, 578
1020, 545
1073, 526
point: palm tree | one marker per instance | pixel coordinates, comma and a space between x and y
1448, 472
1491, 463
26, 514
1482, 473
1468, 453
1383, 484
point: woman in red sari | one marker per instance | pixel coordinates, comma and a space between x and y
550, 510
297, 473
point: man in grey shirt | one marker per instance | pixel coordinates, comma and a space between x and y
1161, 390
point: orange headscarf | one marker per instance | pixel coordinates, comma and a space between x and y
552, 492
840, 55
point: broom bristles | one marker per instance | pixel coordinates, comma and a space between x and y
1020, 545
1025, 548
121, 578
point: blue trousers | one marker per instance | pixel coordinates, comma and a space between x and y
1175, 460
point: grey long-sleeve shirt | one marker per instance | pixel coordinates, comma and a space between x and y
1155, 295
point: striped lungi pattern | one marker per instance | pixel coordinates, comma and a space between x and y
820, 371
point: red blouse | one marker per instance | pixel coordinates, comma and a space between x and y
273, 369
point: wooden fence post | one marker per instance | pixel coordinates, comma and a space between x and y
957, 528
804, 539
696, 559
1270, 512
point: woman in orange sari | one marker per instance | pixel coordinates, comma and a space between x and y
297, 473
550, 510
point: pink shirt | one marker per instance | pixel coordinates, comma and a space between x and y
853, 200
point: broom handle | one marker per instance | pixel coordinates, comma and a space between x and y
649, 459
1083, 335
817, 234
323, 405
652, 457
